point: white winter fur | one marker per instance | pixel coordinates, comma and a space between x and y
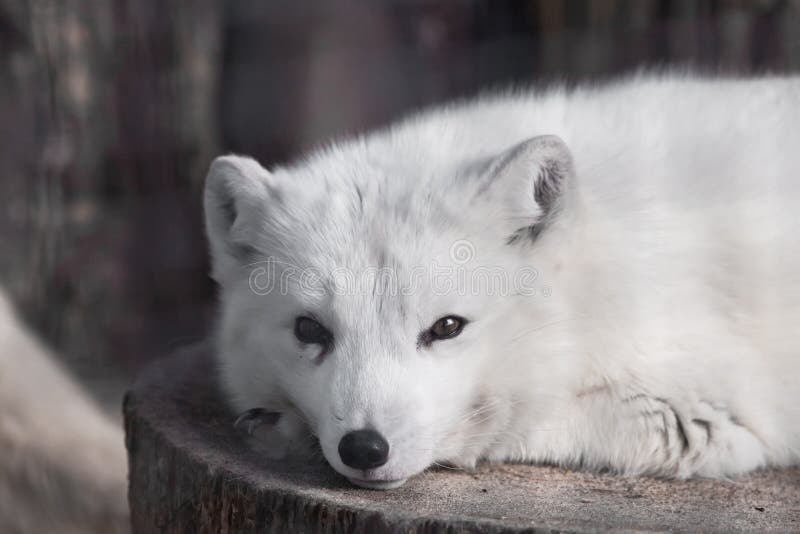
668, 343
62, 462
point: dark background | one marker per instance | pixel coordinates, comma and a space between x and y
111, 111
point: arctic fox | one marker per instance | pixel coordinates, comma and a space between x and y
63, 466
604, 277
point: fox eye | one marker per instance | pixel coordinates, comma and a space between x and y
447, 327
308, 330
444, 328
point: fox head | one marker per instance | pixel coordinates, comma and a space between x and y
373, 293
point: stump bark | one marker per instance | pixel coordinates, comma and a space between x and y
191, 471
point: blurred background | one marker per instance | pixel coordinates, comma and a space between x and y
111, 111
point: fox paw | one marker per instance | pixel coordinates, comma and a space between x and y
699, 438
276, 435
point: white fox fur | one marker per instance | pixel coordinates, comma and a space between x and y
62, 461
660, 333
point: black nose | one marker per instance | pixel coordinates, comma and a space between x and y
363, 449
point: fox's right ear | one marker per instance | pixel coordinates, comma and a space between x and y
235, 198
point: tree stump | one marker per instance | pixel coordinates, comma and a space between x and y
191, 471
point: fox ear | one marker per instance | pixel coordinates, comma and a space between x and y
235, 198
534, 177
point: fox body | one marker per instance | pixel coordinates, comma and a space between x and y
601, 277
63, 466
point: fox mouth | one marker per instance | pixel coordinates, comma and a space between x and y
378, 484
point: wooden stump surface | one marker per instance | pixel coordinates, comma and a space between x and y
191, 471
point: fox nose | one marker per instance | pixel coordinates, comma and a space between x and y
363, 449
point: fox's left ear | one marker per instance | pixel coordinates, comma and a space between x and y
533, 178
